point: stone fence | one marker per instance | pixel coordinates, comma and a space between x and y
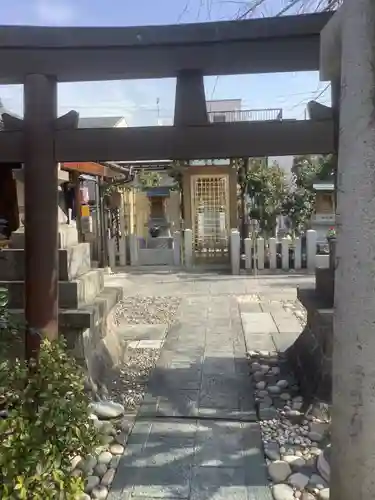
286, 254
132, 250
260, 254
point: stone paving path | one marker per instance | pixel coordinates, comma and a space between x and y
196, 436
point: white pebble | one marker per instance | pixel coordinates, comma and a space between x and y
108, 477
279, 471
116, 449
100, 492
91, 483
105, 457
298, 480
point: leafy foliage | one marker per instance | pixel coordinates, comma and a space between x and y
176, 172
299, 206
11, 338
299, 202
3, 308
47, 425
266, 187
310, 168
149, 180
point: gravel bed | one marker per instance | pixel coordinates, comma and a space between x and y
127, 383
152, 310
295, 437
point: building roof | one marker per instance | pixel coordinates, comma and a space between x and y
85, 122
99, 121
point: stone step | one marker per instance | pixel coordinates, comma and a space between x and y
73, 262
86, 317
68, 236
72, 294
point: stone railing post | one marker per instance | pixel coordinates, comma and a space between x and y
122, 250
133, 246
311, 249
177, 248
188, 248
235, 243
272, 249
111, 242
297, 253
260, 253
285, 254
248, 253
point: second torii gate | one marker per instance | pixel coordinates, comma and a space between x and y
39, 58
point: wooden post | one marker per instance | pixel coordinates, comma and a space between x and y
77, 202
41, 201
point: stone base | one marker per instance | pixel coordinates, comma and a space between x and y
325, 285
311, 354
160, 242
73, 263
68, 236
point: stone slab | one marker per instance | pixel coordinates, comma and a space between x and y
260, 342
286, 322
283, 341
271, 306
142, 331
145, 344
255, 323
250, 307
223, 483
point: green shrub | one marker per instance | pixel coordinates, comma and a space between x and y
46, 427
11, 332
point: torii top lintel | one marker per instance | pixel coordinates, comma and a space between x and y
279, 44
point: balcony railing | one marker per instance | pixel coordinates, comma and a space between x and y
246, 115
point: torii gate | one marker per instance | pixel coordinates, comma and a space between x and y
39, 58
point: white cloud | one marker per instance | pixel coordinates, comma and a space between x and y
55, 12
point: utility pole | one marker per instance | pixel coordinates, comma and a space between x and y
158, 110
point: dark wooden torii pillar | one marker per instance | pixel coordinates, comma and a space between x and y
41, 212
41, 206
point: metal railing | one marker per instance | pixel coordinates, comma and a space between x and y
246, 115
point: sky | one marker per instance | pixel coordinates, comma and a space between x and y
137, 100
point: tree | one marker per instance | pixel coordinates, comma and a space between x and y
176, 171
299, 202
266, 188
149, 179
310, 168
248, 9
